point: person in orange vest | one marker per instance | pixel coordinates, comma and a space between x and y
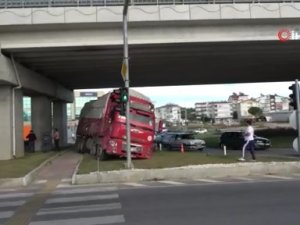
56, 138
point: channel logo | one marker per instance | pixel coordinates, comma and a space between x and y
285, 35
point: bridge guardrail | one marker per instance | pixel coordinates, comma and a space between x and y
82, 3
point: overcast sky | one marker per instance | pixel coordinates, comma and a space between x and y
187, 96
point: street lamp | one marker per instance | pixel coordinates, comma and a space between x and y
125, 70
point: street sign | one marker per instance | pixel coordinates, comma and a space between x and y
293, 120
124, 70
295, 145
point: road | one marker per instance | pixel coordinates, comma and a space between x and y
260, 200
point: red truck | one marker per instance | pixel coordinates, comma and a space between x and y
102, 126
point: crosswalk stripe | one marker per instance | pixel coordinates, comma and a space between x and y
40, 182
66, 180
278, 177
244, 178
81, 198
74, 209
171, 182
15, 195
85, 190
208, 180
12, 203
135, 184
6, 214
84, 221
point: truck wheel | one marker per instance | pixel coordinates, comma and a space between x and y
93, 150
101, 153
80, 146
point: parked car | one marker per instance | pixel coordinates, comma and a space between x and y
235, 140
189, 141
200, 131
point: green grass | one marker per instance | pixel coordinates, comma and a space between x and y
166, 159
163, 159
21, 166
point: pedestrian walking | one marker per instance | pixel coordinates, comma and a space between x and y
249, 141
31, 138
56, 138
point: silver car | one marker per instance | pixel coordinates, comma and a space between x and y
189, 141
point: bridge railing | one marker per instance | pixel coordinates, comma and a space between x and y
78, 3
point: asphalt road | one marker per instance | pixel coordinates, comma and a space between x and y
260, 200
251, 203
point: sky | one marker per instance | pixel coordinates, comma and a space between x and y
187, 96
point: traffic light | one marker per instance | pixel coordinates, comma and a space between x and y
124, 95
123, 109
293, 98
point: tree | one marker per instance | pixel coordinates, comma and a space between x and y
255, 111
191, 115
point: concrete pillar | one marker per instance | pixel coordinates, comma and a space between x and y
7, 126
41, 122
60, 121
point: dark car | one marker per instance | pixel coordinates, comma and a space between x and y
235, 140
174, 140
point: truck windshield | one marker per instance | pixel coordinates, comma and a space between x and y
140, 118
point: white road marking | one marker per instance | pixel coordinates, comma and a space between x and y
79, 209
278, 177
84, 190
82, 198
40, 182
208, 180
12, 203
84, 221
6, 214
15, 195
66, 180
244, 178
135, 184
171, 182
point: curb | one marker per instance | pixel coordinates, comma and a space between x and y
189, 172
76, 170
28, 178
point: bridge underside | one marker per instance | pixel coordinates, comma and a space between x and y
165, 64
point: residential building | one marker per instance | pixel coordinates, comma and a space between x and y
273, 103
235, 99
202, 109
218, 112
243, 108
169, 112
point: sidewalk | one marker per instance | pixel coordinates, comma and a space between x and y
62, 167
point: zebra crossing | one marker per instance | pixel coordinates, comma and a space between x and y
99, 204
81, 206
10, 201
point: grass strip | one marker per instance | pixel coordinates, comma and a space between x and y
21, 166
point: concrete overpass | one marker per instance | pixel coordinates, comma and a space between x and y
55, 50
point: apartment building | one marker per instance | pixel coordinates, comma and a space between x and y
169, 112
243, 108
273, 103
218, 112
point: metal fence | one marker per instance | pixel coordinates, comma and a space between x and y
78, 3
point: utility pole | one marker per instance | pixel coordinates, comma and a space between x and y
126, 66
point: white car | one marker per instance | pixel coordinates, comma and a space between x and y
200, 131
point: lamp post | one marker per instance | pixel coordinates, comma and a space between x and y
126, 79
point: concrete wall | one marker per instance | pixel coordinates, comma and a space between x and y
6, 123
148, 13
32, 81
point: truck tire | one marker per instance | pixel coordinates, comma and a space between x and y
80, 146
101, 153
